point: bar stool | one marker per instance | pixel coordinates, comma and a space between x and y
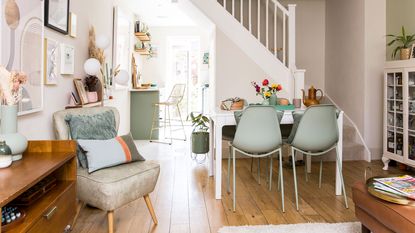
175, 98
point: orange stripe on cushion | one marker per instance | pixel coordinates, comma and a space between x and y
125, 149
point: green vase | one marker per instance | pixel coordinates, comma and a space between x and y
273, 100
16, 141
200, 142
265, 102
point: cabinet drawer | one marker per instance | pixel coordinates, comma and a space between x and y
60, 213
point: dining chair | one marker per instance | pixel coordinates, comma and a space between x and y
317, 134
174, 99
258, 135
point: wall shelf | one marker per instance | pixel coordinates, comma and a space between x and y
142, 36
143, 51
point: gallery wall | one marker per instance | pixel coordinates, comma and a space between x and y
39, 125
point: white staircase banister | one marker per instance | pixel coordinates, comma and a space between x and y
281, 7
291, 36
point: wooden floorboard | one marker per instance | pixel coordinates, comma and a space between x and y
184, 198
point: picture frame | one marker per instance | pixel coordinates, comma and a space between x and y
57, 15
73, 25
81, 91
51, 55
67, 59
412, 51
22, 50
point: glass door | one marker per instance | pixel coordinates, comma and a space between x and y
411, 117
395, 116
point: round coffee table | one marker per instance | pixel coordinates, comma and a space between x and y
389, 197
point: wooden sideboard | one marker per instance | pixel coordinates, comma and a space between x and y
55, 211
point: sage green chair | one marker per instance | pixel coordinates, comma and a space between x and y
258, 135
317, 134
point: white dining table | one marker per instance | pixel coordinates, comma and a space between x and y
220, 118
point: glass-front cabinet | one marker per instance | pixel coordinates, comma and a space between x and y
399, 113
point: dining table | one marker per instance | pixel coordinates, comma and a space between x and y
220, 118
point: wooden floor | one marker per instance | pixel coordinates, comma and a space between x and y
184, 198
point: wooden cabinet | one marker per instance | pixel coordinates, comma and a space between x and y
399, 113
54, 211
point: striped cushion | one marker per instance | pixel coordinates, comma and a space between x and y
108, 153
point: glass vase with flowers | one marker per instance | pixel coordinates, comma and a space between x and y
267, 91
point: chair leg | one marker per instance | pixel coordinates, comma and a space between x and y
295, 178
270, 173
181, 121
150, 209
252, 163
234, 180
229, 170
171, 131
110, 215
341, 177
153, 122
305, 167
321, 173
259, 170
281, 175
279, 181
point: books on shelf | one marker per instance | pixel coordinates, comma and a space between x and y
399, 185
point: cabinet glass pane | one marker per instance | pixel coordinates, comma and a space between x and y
395, 111
411, 115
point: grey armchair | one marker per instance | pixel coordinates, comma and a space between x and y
317, 134
258, 135
110, 188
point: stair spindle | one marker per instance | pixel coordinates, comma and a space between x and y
233, 8
259, 20
242, 13
266, 23
284, 57
275, 30
250, 16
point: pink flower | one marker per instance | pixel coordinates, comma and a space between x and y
257, 88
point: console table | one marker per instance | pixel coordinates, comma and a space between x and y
55, 211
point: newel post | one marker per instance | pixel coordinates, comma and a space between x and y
291, 36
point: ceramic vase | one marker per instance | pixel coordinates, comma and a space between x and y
5, 155
16, 141
273, 100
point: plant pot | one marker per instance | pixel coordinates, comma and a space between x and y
200, 142
16, 141
92, 96
405, 54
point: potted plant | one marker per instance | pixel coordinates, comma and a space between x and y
404, 42
91, 83
200, 134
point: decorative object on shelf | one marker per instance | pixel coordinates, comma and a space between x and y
5, 155
10, 217
404, 42
312, 99
57, 15
16, 141
268, 93
92, 84
73, 24
67, 59
200, 136
51, 48
80, 89
22, 28
134, 73
232, 104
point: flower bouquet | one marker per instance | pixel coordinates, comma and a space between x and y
11, 86
266, 91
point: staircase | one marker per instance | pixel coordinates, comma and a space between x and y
265, 31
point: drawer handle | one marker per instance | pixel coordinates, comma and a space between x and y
50, 214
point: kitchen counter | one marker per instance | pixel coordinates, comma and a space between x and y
144, 90
142, 108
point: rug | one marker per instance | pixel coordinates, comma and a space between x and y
349, 227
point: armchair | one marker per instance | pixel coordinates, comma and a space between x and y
110, 188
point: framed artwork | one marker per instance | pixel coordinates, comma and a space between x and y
67, 59
57, 15
412, 51
51, 74
73, 25
21, 48
206, 58
80, 89
121, 37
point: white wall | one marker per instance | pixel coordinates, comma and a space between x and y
39, 125
311, 39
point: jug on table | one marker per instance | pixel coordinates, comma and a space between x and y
312, 96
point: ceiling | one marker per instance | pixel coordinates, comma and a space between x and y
160, 13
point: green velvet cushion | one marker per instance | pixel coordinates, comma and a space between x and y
91, 127
108, 153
